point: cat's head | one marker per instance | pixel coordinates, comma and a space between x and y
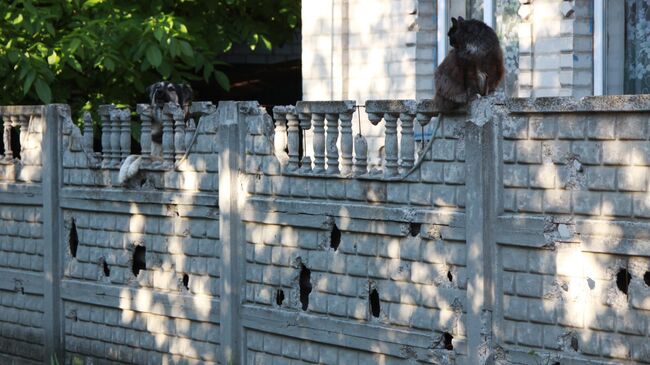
469, 33
455, 32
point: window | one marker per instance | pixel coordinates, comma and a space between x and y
621, 46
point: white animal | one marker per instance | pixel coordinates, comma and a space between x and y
129, 169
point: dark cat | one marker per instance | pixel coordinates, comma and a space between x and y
474, 65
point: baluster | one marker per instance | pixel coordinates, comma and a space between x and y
332, 136
23, 121
280, 135
189, 133
15, 122
88, 132
125, 132
360, 155
319, 142
168, 135
6, 137
305, 124
114, 117
294, 139
179, 133
407, 146
346, 143
390, 146
104, 117
144, 110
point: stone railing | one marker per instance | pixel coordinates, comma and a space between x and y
178, 134
13, 117
336, 152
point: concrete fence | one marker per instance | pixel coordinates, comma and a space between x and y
521, 238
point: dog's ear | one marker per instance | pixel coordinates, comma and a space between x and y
460, 19
453, 22
185, 93
150, 90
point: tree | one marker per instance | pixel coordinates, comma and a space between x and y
86, 52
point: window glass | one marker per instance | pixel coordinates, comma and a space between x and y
507, 21
474, 9
637, 47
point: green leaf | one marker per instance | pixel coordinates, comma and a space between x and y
43, 91
154, 56
222, 80
75, 64
50, 28
158, 34
17, 20
13, 56
29, 80
74, 45
207, 71
266, 42
109, 64
53, 59
186, 48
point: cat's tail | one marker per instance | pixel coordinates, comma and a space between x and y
424, 151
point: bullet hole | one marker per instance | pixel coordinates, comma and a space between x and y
414, 229
450, 276
305, 286
446, 341
335, 237
15, 142
623, 279
279, 296
139, 259
186, 281
646, 278
591, 283
574, 344
374, 303
105, 268
73, 239
19, 287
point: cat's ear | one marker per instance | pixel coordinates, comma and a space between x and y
453, 22
460, 19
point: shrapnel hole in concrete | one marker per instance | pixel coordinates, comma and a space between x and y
446, 340
374, 303
646, 278
305, 286
279, 296
139, 259
186, 281
450, 276
73, 239
574, 344
105, 268
414, 229
335, 237
623, 278
15, 141
591, 283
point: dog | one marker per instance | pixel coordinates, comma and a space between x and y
164, 92
159, 93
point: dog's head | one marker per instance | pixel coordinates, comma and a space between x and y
165, 91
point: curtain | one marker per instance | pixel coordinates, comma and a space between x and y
637, 47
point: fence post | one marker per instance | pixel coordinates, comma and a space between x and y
230, 139
52, 250
483, 205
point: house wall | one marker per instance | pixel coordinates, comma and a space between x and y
360, 50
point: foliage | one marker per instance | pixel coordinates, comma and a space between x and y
86, 52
